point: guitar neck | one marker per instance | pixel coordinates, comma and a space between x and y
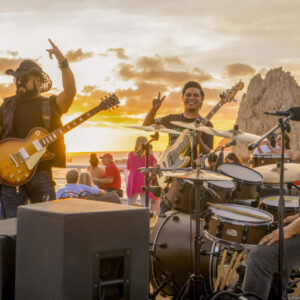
56, 134
212, 112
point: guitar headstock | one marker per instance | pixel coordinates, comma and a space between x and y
109, 102
228, 95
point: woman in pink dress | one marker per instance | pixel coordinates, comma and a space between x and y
136, 179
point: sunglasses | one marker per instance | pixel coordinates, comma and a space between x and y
21, 79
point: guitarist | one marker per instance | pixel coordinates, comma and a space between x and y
28, 109
192, 97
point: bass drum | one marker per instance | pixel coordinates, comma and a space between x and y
172, 254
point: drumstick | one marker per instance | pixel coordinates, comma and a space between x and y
237, 211
228, 271
237, 262
221, 270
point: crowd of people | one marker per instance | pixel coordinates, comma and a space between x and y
28, 109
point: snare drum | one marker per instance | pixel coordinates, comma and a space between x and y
271, 203
229, 226
247, 180
267, 159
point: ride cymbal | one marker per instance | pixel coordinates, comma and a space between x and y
271, 173
240, 135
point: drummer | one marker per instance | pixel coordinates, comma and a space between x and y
192, 97
262, 262
269, 146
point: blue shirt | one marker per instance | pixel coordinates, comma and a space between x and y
77, 189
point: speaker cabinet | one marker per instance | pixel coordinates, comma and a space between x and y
8, 231
82, 249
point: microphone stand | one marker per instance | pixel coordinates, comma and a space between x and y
146, 149
284, 126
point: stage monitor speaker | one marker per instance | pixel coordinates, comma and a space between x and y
82, 249
8, 231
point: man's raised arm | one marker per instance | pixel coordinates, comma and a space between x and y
150, 117
65, 98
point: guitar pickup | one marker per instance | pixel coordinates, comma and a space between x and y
24, 153
37, 145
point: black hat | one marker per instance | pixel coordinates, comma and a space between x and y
30, 67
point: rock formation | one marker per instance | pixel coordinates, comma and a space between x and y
278, 91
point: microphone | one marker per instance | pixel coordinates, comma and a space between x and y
211, 192
294, 112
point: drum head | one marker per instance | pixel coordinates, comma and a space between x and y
225, 185
239, 218
241, 174
290, 201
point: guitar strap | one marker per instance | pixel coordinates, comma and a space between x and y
46, 113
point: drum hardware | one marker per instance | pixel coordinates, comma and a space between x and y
279, 175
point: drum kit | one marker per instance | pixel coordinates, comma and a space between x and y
200, 246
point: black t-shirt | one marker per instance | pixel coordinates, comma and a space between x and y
166, 121
28, 114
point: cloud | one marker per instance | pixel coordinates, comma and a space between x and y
78, 55
9, 63
238, 69
6, 90
120, 52
153, 69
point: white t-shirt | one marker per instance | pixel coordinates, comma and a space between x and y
265, 149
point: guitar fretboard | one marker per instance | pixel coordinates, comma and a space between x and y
56, 134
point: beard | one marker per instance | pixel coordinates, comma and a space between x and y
26, 93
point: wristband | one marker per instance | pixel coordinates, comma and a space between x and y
63, 64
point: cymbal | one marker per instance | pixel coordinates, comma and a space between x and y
153, 128
240, 136
271, 173
202, 175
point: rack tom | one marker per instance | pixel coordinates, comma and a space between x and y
247, 180
271, 203
230, 226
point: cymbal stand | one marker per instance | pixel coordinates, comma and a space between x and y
146, 149
196, 282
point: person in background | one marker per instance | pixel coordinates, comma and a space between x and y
111, 180
269, 146
232, 158
136, 179
287, 149
74, 188
28, 109
85, 178
96, 172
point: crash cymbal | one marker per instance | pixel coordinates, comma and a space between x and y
153, 128
201, 175
271, 173
240, 136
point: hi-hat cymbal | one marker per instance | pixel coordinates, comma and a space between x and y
153, 128
240, 135
201, 175
271, 173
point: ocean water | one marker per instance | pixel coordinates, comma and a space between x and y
80, 161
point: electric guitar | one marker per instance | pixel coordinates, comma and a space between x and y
174, 156
19, 157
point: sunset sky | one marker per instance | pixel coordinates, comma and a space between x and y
137, 48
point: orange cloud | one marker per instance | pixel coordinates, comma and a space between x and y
120, 52
9, 63
6, 90
238, 69
78, 55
